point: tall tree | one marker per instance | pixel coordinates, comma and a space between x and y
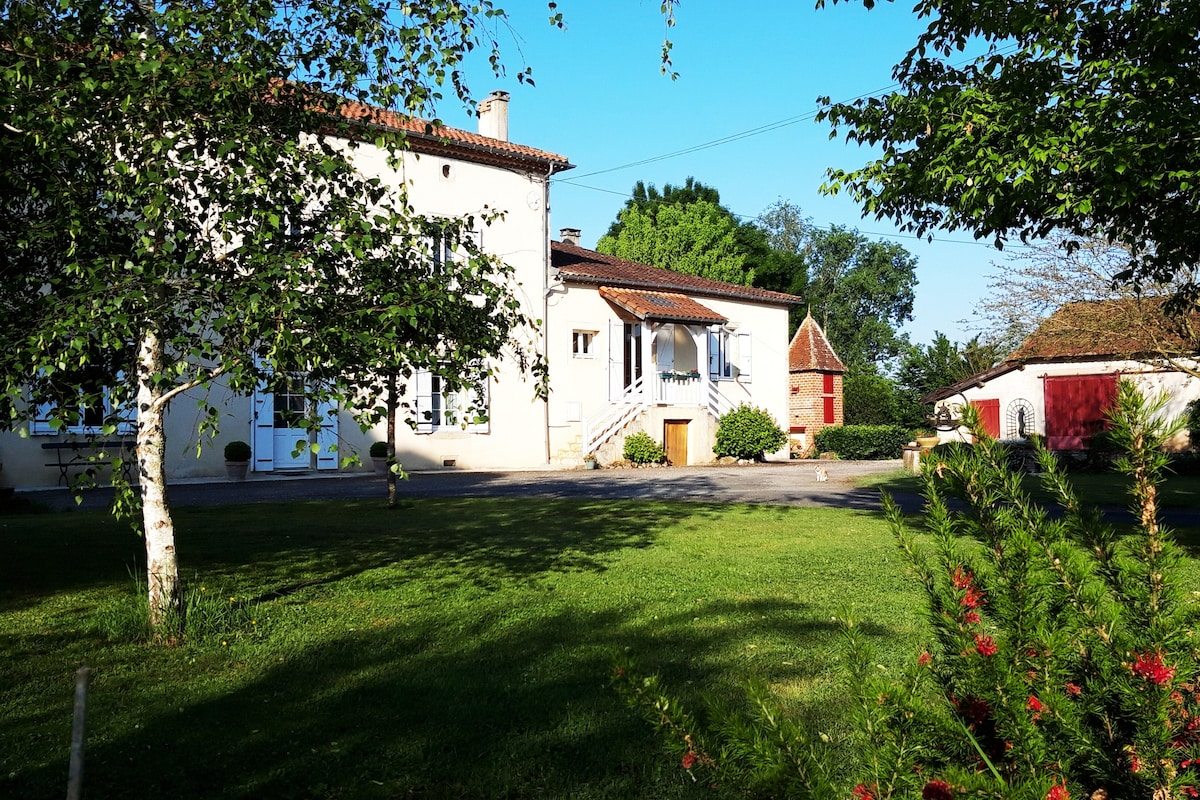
1042, 277
785, 269
699, 238
1075, 117
708, 240
181, 205
861, 292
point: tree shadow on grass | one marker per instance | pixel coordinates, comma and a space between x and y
284, 547
407, 710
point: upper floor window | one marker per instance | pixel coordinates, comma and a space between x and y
582, 344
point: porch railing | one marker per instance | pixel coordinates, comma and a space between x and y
598, 429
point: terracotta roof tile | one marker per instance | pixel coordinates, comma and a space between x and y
810, 351
438, 137
581, 265
665, 306
1127, 328
1122, 328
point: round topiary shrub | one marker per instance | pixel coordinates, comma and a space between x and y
748, 432
640, 448
237, 451
378, 449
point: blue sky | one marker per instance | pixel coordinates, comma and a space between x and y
600, 100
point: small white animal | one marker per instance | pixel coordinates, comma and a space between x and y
822, 474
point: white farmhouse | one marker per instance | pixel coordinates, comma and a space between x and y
629, 347
1063, 377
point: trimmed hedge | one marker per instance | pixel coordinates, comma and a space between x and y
863, 442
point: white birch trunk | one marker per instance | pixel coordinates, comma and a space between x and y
162, 570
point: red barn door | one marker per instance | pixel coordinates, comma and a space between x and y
1075, 408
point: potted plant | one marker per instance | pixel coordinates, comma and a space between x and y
237, 460
379, 457
589, 461
927, 439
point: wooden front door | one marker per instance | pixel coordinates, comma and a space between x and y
675, 438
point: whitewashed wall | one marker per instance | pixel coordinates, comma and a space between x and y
1027, 384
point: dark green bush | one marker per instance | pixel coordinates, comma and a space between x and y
863, 442
640, 448
870, 400
237, 451
379, 449
1192, 423
748, 432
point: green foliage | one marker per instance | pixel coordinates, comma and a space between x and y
378, 450
1064, 121
1062, 650
168, 219
924, 369
699, 238
640, 448
861, 292
870, 399
237, 451
863, 442
747, 433
1192, 421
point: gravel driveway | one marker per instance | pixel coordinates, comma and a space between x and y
780, 483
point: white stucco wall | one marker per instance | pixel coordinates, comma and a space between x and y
580, 385
516, 437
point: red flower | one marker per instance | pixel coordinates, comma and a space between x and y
962, 580
1073, 689
1191, 791
971, 618
972, 598
864, 792
1058, 792
1135, 763
985, 645
1151, 667
689, 760
924, 659
937, 790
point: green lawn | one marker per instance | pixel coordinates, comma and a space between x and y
456, 648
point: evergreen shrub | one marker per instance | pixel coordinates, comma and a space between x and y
640, 448
748, 432
863, 442
1062, 662
237, 451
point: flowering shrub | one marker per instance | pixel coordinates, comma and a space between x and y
1061, 663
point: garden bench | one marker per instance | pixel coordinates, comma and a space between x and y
80, 456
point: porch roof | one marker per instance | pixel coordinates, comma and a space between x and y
664, 306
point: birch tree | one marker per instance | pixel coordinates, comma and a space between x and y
181, 207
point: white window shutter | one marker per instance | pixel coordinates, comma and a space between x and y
616, 359
127, 413
263, 429
744, 356
327, 435
475, 424
714, 353
40, 424
664, 342
424, 398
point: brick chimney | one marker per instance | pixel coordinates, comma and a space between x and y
570, 236
493, 116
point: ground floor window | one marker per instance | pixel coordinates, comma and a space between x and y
439, 406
